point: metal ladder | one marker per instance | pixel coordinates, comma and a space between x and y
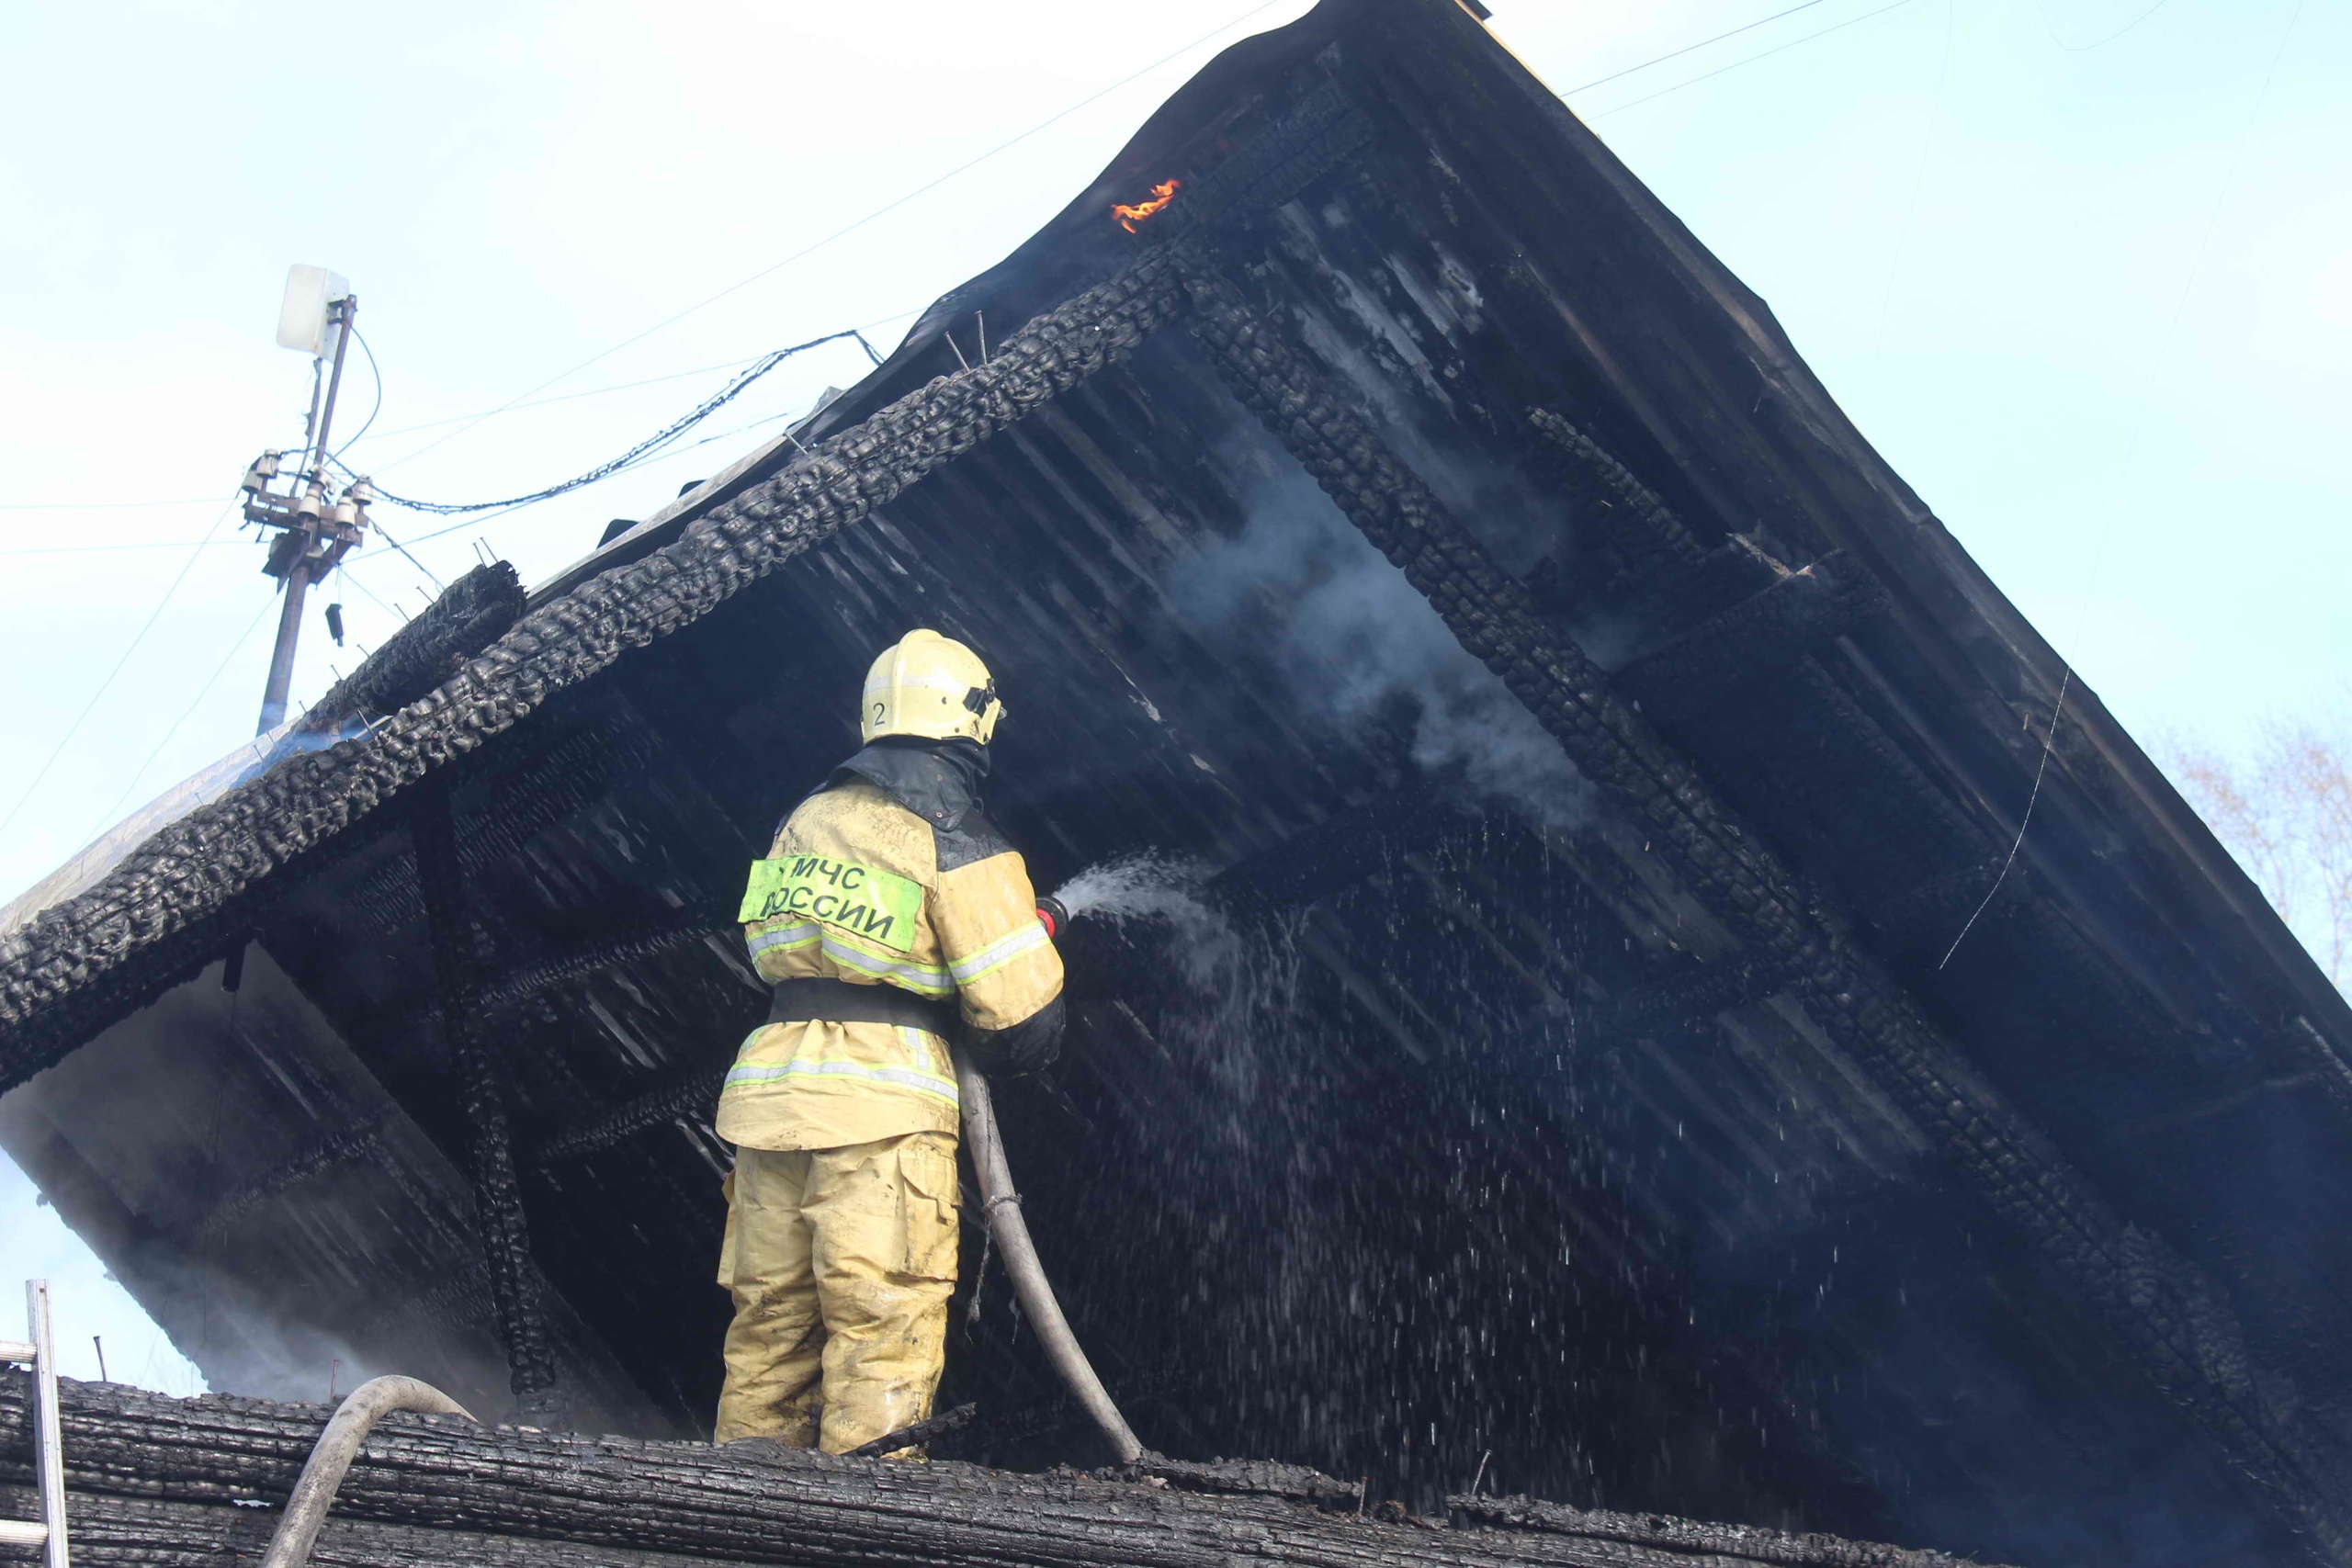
48, 1457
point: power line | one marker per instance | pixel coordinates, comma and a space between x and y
235, 647
2085, 48
847, 228
727, 435
352, 578
1918, 179
1752, 59
663, 456
102, 505
1686, 48
412, 559
92, 549
559, 398
105, 686
735, 387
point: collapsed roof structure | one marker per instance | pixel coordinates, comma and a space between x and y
1635, 1052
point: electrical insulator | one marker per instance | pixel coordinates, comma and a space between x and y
263, 469
360, 492
308, 505
344, 514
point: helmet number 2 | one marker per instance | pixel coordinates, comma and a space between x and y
878, 713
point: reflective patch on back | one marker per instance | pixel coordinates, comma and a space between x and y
859, 900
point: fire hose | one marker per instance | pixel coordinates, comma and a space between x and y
1001, 1204
322, 1473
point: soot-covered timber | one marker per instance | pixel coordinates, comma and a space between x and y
158, 1480
1531, 767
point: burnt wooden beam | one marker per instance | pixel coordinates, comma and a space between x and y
116, 1531
498, 1198
677, 930
1645, 534
512, 805
691, 1095
160, 1479
1738, 648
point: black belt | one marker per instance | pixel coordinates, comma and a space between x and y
817, 1001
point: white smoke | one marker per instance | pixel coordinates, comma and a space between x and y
1349, 636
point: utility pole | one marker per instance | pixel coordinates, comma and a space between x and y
312, 535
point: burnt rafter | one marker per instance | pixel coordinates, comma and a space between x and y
359, 1145
691, 1096
514, 1283
555, 785
2177, 1325
1644, 531
682, 928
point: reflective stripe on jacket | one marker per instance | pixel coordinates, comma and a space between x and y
857, 887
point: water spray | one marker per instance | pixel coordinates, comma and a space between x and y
1143, 887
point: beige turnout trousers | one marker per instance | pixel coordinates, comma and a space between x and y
840, 1262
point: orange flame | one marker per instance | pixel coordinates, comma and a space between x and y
1161, 194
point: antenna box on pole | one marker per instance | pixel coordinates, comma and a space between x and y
302, 317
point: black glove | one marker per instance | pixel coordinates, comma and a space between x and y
1025, 1047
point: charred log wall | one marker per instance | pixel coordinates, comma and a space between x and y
157, 1481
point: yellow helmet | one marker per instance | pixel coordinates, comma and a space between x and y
931, 686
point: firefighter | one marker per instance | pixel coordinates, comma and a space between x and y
891, 917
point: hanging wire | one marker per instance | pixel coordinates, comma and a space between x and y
1691, 48
564, 397
644, 449
352, 328
403, 550
727, 435
114, 813
1750, 60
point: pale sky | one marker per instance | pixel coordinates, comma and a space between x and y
2081, 269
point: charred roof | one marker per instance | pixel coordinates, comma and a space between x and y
1642, 1048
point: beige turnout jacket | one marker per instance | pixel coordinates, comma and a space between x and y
859, 888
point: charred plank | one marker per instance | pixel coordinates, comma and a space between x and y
691, 1096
